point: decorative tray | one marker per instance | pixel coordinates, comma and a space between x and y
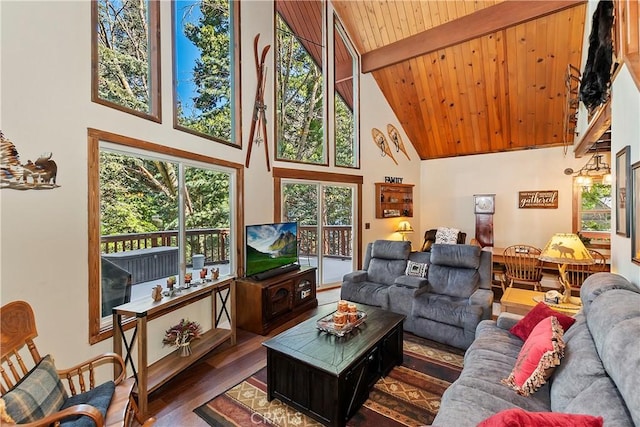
326, 324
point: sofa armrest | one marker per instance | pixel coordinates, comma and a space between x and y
414, 282
508, 320
355, 276
483, 297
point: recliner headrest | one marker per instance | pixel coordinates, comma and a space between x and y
390, 249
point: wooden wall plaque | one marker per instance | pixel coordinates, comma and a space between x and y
546, 199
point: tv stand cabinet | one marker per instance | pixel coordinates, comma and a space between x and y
266, 304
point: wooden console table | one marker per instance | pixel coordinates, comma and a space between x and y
521, 301
150, 377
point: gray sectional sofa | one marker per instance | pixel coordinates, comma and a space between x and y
446, 306
599, 374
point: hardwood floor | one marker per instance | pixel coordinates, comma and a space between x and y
173, 403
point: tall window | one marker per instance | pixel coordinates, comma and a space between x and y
205, 68
300, 107
594, 207
125, 49
345, 88
157, 214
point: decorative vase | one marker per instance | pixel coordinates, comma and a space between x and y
184, 349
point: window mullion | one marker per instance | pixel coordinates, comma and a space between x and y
182, 232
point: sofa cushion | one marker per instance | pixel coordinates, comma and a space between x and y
599, 283
460, 256
99, 398
517, 417
446, 309
455, 282
391, 249
540, 353
36, 395
580, 367
614, 322
385, 271
523, 328
369, 293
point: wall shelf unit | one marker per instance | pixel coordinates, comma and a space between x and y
394, 200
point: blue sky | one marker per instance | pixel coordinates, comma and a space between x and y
186, 52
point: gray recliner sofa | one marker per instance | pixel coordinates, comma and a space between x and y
599, 374
446, 306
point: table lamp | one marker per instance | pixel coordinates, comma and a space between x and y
404, 228
565, 249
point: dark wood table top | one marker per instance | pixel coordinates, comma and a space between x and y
327, 352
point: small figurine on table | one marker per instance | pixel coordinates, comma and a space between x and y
156, 293
215, 272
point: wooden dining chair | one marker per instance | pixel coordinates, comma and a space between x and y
68, 393
522, 266
576, 274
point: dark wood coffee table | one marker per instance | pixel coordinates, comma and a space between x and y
327, 377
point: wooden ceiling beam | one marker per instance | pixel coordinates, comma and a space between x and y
485, 21
600, 122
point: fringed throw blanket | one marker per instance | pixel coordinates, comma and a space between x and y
447, 235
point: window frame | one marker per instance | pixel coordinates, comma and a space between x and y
99, 330
338, 27
236, 86
155, 96
325, 91
577, 212
280, 174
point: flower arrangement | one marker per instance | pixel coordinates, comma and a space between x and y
182, 333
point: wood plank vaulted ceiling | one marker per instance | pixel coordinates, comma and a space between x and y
470, 77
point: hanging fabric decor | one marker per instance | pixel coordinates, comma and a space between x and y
594, 87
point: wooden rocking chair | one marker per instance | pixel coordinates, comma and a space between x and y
17, 331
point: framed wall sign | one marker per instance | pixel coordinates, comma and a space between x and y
623, 180
634, 200
547, 199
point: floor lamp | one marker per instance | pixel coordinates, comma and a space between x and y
565, 249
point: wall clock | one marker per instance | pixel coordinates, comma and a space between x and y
484, 208
484, 203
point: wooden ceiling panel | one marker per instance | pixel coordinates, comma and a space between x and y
501, 91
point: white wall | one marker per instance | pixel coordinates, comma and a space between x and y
625, 130
46, 83
447, 187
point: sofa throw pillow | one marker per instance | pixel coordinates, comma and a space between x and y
37, 394
517, 417
418, 269
538, 357
447, 235
523, 328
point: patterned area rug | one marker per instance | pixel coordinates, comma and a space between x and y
408, 396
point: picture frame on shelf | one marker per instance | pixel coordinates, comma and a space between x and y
635, 212
623, 184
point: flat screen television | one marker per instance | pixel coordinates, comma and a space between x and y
270, 247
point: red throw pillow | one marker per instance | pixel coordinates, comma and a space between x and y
523, 328
538, 357
519, 417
